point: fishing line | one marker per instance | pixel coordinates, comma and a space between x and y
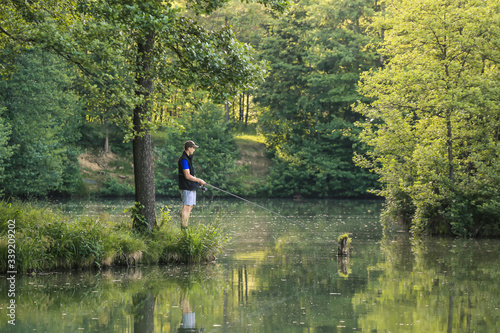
270, 211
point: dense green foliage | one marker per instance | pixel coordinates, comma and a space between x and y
316, 54
435, 122
5, 149
307, 125
40, 124
46, 239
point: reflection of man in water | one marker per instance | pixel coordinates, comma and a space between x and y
188, 318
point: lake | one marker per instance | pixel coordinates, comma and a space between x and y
276, 275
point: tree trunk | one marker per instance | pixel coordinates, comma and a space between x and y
143, 157
248, 109
449, 144
242, 101
226, 107
234, 112
107, 150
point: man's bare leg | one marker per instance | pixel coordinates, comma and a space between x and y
185, 213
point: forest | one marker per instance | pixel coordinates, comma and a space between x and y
351, 98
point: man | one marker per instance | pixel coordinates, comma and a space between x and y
188, 183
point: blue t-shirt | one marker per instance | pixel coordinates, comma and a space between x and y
184, 164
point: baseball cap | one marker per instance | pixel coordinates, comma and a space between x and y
190, 143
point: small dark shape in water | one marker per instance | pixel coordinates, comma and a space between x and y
343, 247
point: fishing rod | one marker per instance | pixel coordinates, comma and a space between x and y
253, 203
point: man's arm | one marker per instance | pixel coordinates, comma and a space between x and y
188, 176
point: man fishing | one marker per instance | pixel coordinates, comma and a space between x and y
188, 183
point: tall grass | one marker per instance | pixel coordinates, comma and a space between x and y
47, 239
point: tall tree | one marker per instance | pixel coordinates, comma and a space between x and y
435, 122
158, 44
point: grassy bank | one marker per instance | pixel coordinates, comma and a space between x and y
46, 239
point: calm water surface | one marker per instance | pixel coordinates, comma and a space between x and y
277, 276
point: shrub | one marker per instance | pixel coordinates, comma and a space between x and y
201, 243
112, 187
